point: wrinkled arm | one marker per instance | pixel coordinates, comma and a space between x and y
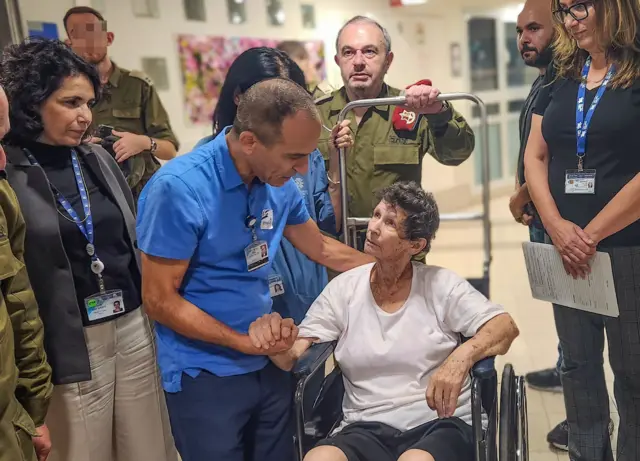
324, 250
161, 281
34, 379
448, 138
287, 360
493, 338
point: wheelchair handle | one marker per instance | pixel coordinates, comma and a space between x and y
349, 224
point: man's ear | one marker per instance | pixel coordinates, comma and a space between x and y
335, 59
67, 42
389, 59
248, 141
110, 38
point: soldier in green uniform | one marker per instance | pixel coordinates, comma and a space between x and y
390, 142
130, 103
25, 375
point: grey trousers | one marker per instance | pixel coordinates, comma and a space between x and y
581, 337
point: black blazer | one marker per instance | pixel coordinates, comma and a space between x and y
47, 263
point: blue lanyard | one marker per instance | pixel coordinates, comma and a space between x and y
582, 121
86, 226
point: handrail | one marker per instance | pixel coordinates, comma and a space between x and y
348, 223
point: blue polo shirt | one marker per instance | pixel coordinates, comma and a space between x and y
195, 208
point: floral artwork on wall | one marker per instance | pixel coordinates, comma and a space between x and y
205, 61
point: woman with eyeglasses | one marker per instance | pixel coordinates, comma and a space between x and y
582, 167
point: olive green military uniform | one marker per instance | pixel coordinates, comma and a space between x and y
130, 103
321, 89
25, 376
382, 155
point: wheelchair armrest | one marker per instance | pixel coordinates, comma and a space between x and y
314, 358
485, 368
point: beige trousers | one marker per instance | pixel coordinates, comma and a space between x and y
120, 415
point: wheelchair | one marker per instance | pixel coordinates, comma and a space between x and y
318, 406
318, 402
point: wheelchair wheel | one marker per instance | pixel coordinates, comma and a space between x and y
508, 422
522, 445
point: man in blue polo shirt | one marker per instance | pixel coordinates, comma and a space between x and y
209, 224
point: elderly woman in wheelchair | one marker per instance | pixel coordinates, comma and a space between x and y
398, 325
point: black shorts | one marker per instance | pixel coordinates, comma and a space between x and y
445, 439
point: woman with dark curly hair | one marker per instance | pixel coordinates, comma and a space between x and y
81, 257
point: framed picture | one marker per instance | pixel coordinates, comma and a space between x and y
275, 12
308, 16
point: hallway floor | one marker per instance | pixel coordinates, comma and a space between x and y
458, 246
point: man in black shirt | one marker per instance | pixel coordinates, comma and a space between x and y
535, 35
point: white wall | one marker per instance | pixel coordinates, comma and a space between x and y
443, 20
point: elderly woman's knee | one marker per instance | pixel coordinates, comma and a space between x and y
326, 453
416, 455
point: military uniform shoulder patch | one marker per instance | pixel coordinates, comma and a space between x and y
141, 76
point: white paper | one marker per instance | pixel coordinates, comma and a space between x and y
550, 282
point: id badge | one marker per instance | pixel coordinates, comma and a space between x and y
104, 305
276, 286
580, 182
257, 255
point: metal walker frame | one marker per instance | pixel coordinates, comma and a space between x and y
350, 224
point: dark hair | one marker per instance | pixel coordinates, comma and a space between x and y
420, 207
294, 49
30, 72
83, 10
251, 67
265, 105
364, 19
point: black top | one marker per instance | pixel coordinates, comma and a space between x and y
525, 129
613, 149
109, 229
525, 123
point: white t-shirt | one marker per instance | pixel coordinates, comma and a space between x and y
388, 359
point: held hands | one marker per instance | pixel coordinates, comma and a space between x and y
422, 99
129, 145
42, 442
340, 138
446, 383
271, 334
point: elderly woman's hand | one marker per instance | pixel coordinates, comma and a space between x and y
574, 245
446, 383
273, 334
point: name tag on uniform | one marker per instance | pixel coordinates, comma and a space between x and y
276, 286
257, 255
104, 305
580, 182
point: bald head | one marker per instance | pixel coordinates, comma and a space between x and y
264, 107
535, 33
277, 126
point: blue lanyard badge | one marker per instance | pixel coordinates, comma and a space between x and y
582, 121
86, 225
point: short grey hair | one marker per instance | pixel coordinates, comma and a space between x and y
368, 20
264, 106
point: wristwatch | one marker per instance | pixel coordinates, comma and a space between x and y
154, 145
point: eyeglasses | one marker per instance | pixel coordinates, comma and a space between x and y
579, 12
